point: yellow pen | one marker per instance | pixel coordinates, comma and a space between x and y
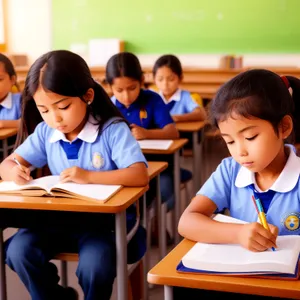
262, 216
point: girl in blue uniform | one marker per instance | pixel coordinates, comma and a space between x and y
70, 124
10, 104
255, 114
167, 73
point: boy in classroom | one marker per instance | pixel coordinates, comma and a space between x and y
256, 116
167, 73
146, 112
10, 103
68, 115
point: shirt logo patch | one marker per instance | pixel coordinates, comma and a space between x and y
291, 221
97, 161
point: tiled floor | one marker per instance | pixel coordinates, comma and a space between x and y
213, 154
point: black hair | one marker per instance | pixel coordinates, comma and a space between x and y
8, 65
170, 61
123, 64
64, 73
259, 93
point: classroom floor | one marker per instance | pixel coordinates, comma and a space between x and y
214, 152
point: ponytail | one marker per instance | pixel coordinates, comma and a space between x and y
294, 84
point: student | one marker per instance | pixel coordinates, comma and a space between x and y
10, 104
70, 124
143, 109
167, 73
255, 114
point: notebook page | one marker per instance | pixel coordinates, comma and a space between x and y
99, 192
44, 182
155, 144
234, 258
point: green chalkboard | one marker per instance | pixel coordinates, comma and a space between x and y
181, 26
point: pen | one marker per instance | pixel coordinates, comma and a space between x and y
253, 199
262, 216
18, 163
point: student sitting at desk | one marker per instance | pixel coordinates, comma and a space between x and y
69, 123
255, 114
10, 103
144, 110
167, 73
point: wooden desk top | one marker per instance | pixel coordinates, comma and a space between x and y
156, 167
190, 126
164, 273
7, 132
119, 202
176, 145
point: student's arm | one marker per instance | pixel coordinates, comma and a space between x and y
198, 114
11, 171
9, 123
134, 175
167, 132
196, 224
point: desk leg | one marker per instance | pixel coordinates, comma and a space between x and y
177, 196
121, 252
162, 239
196, 164
5, 148
2, 268
168, 292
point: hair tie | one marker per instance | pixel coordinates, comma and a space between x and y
286, 81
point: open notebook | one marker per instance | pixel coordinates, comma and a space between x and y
50, 186
235, 260
155, 144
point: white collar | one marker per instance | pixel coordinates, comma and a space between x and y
175, 97
285, 182
7, 102
88, 133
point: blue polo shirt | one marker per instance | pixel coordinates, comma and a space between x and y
231, 186
180, 103
156, 114
10, 107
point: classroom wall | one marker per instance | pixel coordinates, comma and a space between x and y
29, 28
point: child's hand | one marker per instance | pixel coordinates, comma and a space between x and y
138, 132
255, 237
20, 174
74, 174
176, 118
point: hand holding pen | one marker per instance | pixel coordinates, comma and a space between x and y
21, 174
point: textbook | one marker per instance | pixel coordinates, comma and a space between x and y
155, 144
233, 259
51, 186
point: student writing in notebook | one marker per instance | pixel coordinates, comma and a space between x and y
147, 114
256, 115
70, 124
167, 72
10, 103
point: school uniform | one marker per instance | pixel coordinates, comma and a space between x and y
150, 112
30, 249
10, 107
231, 186
180, 103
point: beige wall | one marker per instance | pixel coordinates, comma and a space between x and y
29, 27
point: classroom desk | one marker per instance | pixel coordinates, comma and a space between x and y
116, 205
194, 128
164, 273
6, 133
173, 150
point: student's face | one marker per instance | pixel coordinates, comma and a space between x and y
166, 81
253, 143
126, 90
6, 83
66, 114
